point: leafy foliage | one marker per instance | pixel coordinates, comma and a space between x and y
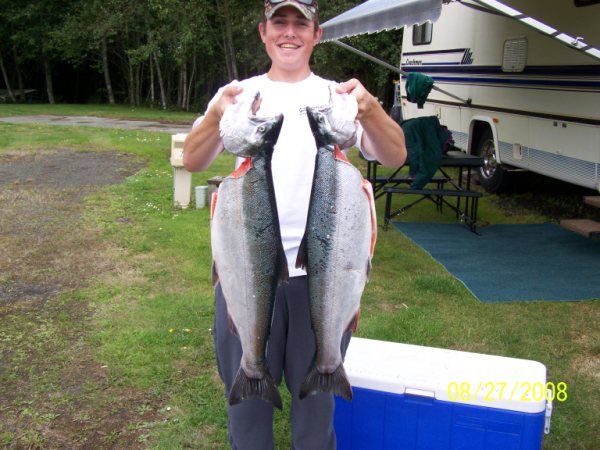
186, 48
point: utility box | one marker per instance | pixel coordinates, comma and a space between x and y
410, 397
213, 185
182, 179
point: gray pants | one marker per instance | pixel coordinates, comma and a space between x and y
290, 351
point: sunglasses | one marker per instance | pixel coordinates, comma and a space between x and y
310, 3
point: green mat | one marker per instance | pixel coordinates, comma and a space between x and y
514, 262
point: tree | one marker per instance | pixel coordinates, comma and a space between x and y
4, 39
33, 24
6, 80
7, 31
175, 51
227, 34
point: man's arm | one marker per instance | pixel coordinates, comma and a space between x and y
204, 142
382, 137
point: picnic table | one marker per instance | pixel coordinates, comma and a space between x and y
445, 186
25, 94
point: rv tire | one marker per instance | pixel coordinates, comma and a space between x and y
492, 176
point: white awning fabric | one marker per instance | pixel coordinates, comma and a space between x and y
373, 16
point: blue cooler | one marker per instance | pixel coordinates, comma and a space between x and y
413, 397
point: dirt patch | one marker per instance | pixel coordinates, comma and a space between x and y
54, 393
43, 250
552, 198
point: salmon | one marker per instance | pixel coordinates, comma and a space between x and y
248, 257
336, 250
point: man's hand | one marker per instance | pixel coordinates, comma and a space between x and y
365, 100
204, 142
228, 97
382, 137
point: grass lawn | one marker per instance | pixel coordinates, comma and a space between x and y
144, 323
101, 110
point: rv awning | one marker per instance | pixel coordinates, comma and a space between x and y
373, 16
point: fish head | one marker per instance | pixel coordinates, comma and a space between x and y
336, 122
243, 132
319, 126
264, 132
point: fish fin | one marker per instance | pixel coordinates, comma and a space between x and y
337, 383
215, 274
256, 103
284, 273
368, 188
353, 325
213, 203
231, 326
302, 259
244, 167
245, 387
339, 154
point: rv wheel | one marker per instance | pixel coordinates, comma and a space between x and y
491, 176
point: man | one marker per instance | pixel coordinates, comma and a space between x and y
289, 31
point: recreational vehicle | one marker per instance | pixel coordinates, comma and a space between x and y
514, 91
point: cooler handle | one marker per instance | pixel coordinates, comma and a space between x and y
548, 416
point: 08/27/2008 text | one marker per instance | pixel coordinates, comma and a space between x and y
498, 391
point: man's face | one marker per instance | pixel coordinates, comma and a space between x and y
289, 39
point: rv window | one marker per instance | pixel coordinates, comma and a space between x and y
514, 58
579, 3
422, 33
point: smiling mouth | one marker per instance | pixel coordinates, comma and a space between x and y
289, 46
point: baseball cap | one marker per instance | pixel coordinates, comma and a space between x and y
308, 8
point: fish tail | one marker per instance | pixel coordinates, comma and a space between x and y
245, 387
337, 383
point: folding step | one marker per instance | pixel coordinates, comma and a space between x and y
593, 200
585, 227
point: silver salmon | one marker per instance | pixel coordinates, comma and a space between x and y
248, 258
336, 252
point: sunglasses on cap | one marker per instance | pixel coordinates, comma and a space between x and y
310, 3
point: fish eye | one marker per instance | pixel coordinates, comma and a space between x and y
262, 128
321, 119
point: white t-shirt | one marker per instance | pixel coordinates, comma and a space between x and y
294, 157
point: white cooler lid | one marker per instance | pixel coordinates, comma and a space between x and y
448, 375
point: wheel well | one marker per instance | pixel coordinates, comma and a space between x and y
478, 127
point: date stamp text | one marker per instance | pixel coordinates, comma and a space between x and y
498, 391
